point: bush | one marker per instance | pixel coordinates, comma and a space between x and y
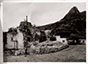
53, 38
42, 37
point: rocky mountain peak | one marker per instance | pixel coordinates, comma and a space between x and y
74, 10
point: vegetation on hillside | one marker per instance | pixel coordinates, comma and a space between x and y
74, 22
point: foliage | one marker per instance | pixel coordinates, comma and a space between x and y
13, 31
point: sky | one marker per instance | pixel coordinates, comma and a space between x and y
38, 13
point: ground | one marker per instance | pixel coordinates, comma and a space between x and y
74, 53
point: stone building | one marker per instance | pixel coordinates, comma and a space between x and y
15, 41
19, 37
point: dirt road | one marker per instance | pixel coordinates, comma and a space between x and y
75, 53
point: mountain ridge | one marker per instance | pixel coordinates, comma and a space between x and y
74, 20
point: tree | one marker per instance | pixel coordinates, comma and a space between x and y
13, 31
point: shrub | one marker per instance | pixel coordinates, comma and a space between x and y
53, 38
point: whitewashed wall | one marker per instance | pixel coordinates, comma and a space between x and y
10, 44
18, 37
58, 38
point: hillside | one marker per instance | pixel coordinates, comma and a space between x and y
74, 21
